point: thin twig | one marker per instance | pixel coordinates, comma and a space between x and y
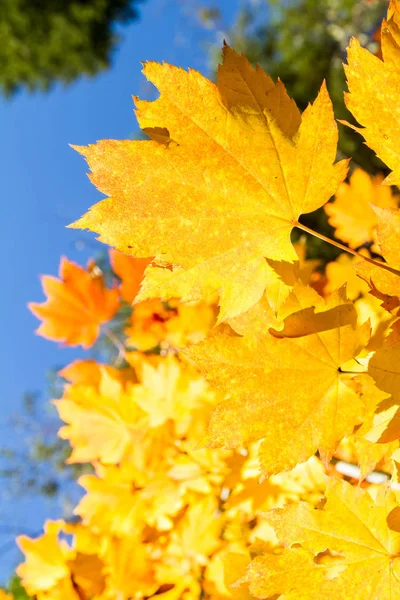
117, 343
347, 249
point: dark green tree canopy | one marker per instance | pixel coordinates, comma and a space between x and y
43, 41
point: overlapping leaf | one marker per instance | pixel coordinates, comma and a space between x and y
213, 197
385, 281
351, 213
344, 550
373, 96
224, 190
291, 391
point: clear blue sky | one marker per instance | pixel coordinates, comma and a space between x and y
45, 188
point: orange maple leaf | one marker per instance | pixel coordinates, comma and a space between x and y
130, 271
77, 304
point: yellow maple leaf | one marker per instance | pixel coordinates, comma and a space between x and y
373, 96
369, 308
351, 213
307, 266
172, 393
360, 447
341, 271
341, 551
77, 304
249, 497
228, 191
197, 536
46, 563
87, 574
223, 570
291, 391
385, 280
384, 368
121, 500
129, 569
101, 423
303, 312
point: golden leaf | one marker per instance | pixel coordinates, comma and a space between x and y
290, 391
226, 194
343, 550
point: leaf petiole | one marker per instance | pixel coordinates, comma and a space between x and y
346, 248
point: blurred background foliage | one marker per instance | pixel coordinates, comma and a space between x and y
43, 41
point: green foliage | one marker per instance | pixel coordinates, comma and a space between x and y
47, 40
37, 465
15, 588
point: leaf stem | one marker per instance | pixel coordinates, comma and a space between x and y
346, 248
114, 340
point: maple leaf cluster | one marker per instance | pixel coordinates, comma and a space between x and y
247, 373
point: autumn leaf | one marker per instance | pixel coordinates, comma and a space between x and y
130, 570
101, 423
360, 447
198, 534
341, 271
293, 392
384, 368
226, 194
343, 550
351, 213
373, 96
87, 574
46, 562
169, 325
130, 271
385, 281
223, 571
303, 312
173, 505
120, 500
170, 393
307, 482
77, 305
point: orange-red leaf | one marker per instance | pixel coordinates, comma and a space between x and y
77, 304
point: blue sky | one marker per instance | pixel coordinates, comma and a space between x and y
45, 188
